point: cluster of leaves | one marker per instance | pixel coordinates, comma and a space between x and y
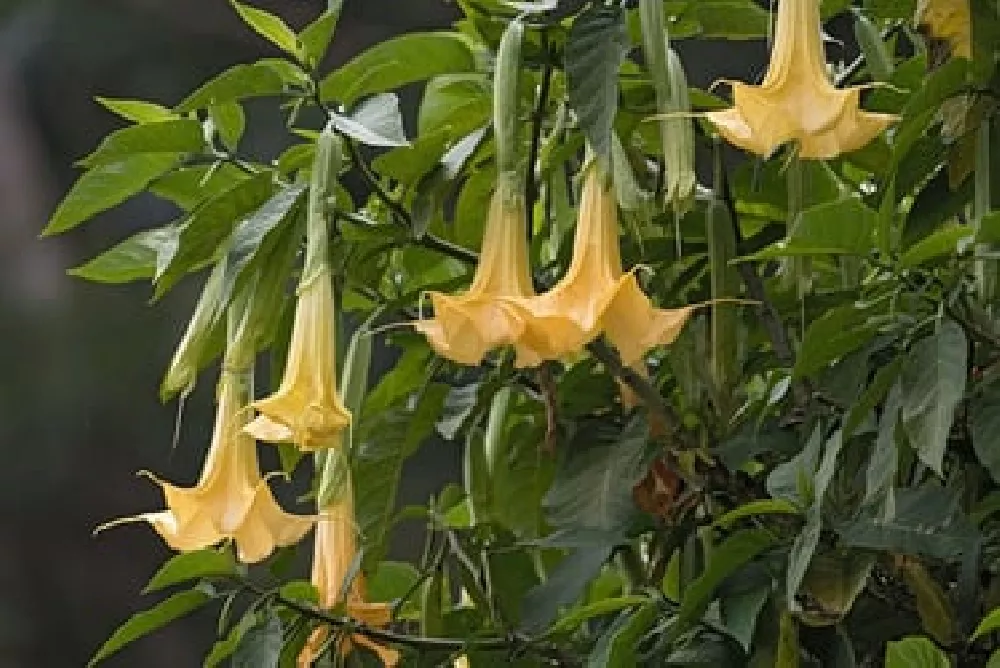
812, 480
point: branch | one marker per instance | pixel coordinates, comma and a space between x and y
402, 216
511, 642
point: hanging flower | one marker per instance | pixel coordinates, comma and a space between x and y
231, 500
306, 409
465, 327
796, 101
333, 557
595, 296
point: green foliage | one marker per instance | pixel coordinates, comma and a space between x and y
810, 473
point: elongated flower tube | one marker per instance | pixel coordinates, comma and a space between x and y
595, 295
796, 101
333, 556
231, 500
467, 326
307, 409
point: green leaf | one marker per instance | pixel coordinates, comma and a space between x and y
884, 460
731, 19
397, 62
989, 229
843, 227
209, 226
388, 433
892, 9
915, 652
106, 186
989, 624
594, 51
391, 581
944, 242
170, 137
261, 646
740, 612
725, 559
565, 584
192, 565
616, 648
144, 623
805, 544
593, 486
315, 37
927, 521
924, 104
130, 260
270, 27
267, 77
137, 111
835, 333
461, 101
249, 237
984, 413
224, 648
187, 187
229, 122
785, 480
571, 620
933, 385
874, 393
376, 122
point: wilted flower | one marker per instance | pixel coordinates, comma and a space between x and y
465, 327
306, 409
595, 295
333, 558
949, 21
231, 500
796, 101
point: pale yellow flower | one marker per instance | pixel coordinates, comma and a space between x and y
796, 101
231, 500
595, 296
333, 556
467, 326
307, 409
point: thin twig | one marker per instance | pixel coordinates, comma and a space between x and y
768, 314
402, 216
496, 643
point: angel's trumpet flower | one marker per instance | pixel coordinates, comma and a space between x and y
307, 409
466, 326
333, 557
231, 500
796, 101
595, 295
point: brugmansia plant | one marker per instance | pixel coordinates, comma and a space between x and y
724, 371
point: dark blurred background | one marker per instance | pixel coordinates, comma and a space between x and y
81, 363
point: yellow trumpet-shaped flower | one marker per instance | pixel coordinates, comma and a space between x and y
796, 101
334, 553
231, 500
306, 409
465, 327
595, 295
